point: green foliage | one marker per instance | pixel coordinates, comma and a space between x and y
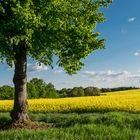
62, 93
6, 92
32, 91
37, 88
79, 91
76, 92
92, 91
47, 28
50, 91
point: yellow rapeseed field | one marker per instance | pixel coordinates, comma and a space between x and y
121, 101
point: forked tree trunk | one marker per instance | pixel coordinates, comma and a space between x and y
19, 112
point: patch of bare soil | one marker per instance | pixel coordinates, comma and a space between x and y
27, 125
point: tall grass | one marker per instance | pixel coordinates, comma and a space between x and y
88, 126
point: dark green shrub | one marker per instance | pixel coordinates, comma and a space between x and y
76, 92
92, 91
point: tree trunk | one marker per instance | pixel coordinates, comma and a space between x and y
19, 112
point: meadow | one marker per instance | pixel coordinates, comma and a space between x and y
114, 116
75, 126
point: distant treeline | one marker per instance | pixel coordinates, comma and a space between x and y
37, 88
117, 89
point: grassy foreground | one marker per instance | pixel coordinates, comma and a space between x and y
87, 126
116, 101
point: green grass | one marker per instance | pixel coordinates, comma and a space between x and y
72, 126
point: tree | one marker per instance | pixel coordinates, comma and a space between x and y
92, 91
39, 86
41, 29
6, 92
76, 92
31, 89
62, 93
50, 91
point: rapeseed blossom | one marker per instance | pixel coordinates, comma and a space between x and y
114, 101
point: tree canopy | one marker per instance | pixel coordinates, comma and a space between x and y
51, 27
41, 29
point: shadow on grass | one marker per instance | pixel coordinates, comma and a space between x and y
6, 123
59, 120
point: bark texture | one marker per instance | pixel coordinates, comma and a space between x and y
19, 112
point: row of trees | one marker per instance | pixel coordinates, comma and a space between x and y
79, 91
117, 89
37, 88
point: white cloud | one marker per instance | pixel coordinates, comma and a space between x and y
57, 71
131, 19
31, 67
137, 54
111, 78
108, 73
36, 67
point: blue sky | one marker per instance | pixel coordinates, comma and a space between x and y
117, 65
